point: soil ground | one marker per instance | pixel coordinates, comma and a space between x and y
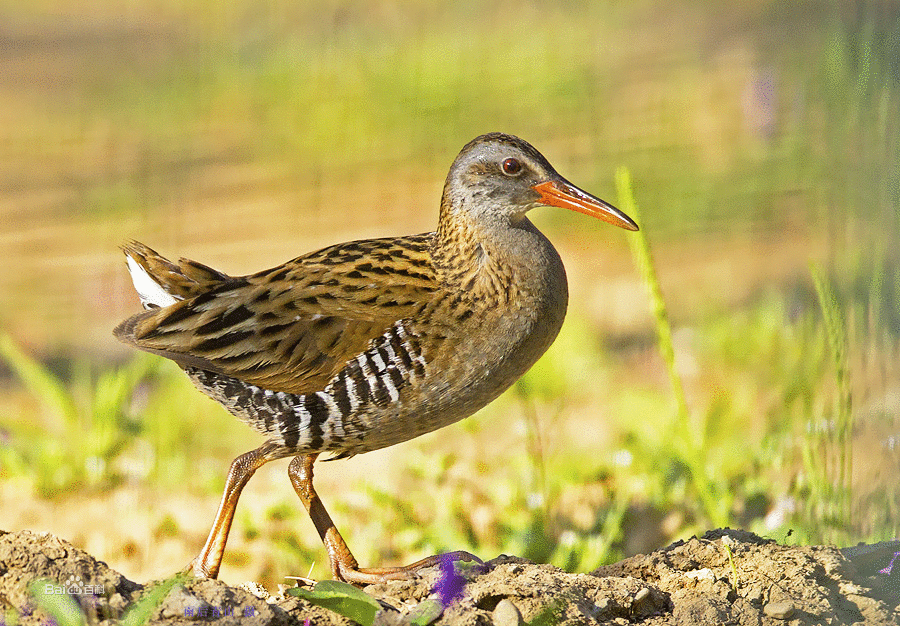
762, 583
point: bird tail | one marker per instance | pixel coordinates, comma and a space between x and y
161, 283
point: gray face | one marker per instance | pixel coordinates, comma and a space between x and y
494, 175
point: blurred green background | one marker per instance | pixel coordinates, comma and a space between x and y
763, 142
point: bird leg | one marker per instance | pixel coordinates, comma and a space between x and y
207, 563
343, 565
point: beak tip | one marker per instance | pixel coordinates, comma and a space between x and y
561, 193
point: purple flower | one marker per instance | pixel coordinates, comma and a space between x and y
889, 568
450, 584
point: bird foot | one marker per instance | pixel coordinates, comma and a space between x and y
195, 569
343, 565
368, 576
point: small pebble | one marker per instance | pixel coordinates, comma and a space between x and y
701, 574
181, 604
779, 610
258, 590
506, 614
640, 598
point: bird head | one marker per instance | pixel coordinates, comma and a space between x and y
502, 177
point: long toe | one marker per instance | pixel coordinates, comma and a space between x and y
373, 575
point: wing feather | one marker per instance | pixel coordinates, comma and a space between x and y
291, 328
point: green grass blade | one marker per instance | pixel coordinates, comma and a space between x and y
141, 611
427, 612
691, 434
550, 615
342, 598
835, 331
60, 606
39, 380
640, 250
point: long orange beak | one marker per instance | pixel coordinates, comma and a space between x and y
567, 196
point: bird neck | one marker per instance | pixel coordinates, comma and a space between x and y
484, 257
458, 251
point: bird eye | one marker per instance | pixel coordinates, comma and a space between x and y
511, 166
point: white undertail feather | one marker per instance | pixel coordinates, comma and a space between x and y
152, 294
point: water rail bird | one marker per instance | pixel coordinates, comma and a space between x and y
366, 344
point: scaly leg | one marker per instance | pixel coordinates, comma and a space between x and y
343, 565
207, 563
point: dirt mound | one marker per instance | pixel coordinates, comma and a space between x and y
725, 577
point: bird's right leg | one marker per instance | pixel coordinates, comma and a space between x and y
207, 563
300, 473
343, 564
